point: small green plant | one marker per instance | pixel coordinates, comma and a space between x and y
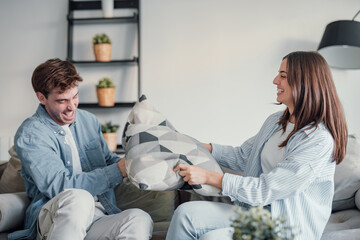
109, 128
256, 224
105, 83
101, 39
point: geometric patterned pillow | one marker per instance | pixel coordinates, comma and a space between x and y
153, 148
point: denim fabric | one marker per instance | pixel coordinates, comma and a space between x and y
193, 219
47, 166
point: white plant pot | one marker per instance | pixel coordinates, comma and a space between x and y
107, 8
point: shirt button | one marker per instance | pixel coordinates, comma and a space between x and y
68, 162
62, 132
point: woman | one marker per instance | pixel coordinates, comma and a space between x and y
288, 166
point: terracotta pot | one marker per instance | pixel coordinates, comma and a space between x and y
106, 97
102, 52
110, 139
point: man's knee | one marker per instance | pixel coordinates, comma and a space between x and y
139, 216
76, 203
72, 210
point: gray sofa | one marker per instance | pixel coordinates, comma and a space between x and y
344, 222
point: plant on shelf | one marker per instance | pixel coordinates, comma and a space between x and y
109, 132
256, 223
102, 47
105, 91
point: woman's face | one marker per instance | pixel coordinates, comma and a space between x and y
284, 92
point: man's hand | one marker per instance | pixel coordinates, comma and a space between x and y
196, 175
121, 165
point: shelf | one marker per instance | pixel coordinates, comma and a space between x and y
95, 5
129, 19
117, 105
123, 61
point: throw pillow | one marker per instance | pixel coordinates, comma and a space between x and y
3, 165
347, 176
11, 180
357, 199
153, 148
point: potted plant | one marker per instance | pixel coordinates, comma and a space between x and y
256, 223
102, 47
105, 91
110, 135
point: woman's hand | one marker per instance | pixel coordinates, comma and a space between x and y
195, 175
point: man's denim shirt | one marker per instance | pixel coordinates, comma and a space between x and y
47, 163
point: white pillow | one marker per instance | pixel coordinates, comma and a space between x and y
153, 147
357, 199
347, 176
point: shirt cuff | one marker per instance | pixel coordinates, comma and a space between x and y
113, 175
230, 185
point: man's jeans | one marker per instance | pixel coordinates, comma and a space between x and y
70, 215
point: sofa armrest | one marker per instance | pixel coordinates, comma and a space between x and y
12, 210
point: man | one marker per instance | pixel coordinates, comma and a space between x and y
68, 170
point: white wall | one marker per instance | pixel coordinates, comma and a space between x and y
208, 65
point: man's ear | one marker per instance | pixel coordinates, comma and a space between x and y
41, 97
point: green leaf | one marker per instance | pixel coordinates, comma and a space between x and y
109, 128
105, 82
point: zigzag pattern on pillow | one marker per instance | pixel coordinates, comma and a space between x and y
153, 148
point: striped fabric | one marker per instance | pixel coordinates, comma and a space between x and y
300, 187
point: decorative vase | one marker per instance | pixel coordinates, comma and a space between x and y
107, 8
110, 139
102, 52
106, 97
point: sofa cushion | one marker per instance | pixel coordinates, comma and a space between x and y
3, 165
153, 148
160, 205
341, 223
12, 210
347, 176
11, 180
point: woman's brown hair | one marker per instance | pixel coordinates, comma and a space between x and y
315, 99
54, 74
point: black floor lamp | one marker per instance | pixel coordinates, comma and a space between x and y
340, 44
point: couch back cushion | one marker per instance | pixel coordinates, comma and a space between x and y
159, 205
347, 176
11, 180
3, 165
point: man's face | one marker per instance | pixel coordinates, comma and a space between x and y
61, 106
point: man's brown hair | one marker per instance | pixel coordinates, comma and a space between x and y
55, 74
315, 99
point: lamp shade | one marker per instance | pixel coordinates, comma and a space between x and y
340, 44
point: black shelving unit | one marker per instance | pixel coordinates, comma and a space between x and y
117, 105
96, 5
132, 19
